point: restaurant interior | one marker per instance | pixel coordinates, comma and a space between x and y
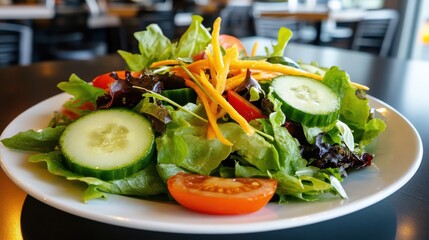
40, 30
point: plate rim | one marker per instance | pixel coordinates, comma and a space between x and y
226, 228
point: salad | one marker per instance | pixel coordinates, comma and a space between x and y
203, 122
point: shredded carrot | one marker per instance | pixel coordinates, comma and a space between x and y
221, 113
263, 75
211, 117
211, 67
225, 105
255, 48
235, 81
210, 132
359, 86
231, 53
217, 53
200, 64
178, 71
164, 63
213, 104
266, 66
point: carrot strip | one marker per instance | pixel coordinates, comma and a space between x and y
211, 117
211, 67
266, 66
230, 55
211, 91
234, 81
164, 63
217, 53
260, 76
359, 86
198, 65
210, 132
255, 48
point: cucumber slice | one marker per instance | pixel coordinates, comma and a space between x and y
108, 144
306, 100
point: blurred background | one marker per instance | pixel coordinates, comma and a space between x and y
42, 30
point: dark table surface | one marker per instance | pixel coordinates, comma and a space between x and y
402, 215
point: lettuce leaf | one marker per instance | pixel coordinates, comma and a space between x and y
44, 140
185, 145
82, 92
155, 46
144, 183
283, 37
354, 107
193, 41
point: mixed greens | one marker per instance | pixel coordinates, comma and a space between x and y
308, 162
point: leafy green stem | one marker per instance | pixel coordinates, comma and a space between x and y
163, 98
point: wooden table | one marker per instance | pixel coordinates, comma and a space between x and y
403, 215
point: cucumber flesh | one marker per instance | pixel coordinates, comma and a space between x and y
108, 144
306, 100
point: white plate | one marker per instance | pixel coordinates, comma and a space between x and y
398, 156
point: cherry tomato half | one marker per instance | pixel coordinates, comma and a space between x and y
244, 107
225, 41
223, 196
103, 81
76, 113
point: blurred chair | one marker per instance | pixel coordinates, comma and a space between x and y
16, 43
158, 12
164, 19
375, 33
237, 20
68, 37
269, 26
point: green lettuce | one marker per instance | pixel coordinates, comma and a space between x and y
185, 145
283, 37
193, 41
144, 183
44, 140
155, 46
82, 92
354, 107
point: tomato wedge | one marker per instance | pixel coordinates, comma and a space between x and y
243, 107
225, 41
222, 196
76, 113
103, 81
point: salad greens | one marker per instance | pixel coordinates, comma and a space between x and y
303, 166
154, 46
